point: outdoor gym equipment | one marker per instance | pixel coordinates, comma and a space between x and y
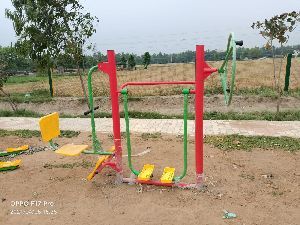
113, 157
10, 165
144, 176
223, 70
14, 151
49, 126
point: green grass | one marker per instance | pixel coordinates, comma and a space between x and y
36, 96
35, 133
25, 79
84, 164
147, 136
32, 78
258, 92
248, 143
19, 113
269, 116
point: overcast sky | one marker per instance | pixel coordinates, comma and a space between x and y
172, 25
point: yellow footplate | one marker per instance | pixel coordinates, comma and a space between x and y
18, 149
99, 163
146, 173
168, 174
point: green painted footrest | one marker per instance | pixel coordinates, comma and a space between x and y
9, 168
4, 166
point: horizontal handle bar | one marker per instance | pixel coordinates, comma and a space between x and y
89, 111
154, 83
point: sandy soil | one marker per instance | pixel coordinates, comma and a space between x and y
165, 105
261, 187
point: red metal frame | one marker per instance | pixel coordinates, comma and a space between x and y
203, 70
110, 69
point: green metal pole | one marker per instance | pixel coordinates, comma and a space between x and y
288, 72
53, 145
96, 143
223, 70
185, 117
124, 92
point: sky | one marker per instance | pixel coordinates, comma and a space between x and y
172, 26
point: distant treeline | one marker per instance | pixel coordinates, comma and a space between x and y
18, 63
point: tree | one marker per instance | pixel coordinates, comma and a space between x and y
277, 29
123, 61
146, 60
7, 63
45, 29
131, 62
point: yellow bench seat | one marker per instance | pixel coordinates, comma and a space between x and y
71, 149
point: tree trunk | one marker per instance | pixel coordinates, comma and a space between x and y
274, 66
11, 102
82, 86
50, 80
278, 85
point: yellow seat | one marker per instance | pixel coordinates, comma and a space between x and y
71, 150
49, 126
146, 173
167, 176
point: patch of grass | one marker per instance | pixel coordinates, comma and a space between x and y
293, 93
25, 79
36, 96
277, 193
147, 136
111, 136
35, 133
248, 143
34, 78
69, 133
133, 99
20, 133
247, 176
269, 116
260, 91
100, 115
84, 164
19, 113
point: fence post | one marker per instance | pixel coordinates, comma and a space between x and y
288, 72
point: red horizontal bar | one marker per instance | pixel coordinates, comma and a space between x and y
154, 83
210, 70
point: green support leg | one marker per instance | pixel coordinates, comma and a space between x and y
124, 92
185, 135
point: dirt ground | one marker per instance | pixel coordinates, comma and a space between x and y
168, 105
260, 186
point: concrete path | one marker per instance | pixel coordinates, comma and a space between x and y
167, 126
